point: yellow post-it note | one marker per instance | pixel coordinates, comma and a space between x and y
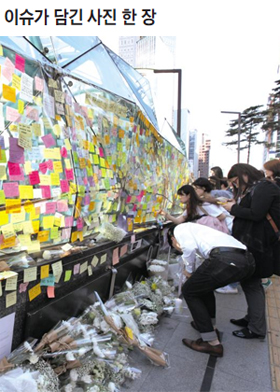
57, 268
9, 93
11, 283
68, 275
34, 292
34, 247
83, 267
8, 230
45, 271
11, 299
94, 261
25, 191
48, 222
29, 274
103, 258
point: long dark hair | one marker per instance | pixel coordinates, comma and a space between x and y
217, 171
238, 170
193, 202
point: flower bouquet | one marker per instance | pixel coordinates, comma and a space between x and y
126, 336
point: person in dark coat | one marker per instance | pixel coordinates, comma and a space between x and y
254, 197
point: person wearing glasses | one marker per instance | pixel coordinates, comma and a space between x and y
254, 197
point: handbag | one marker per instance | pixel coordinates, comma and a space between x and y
273, 224
212, 221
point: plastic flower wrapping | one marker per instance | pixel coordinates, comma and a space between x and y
91, 352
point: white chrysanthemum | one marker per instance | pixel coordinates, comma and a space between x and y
104, 326
28, 347
86, 379
68, 388
82, 351
95, 388
73, 375
33, 358
156, 268
159, 262
97, 351
111, 387
70, 357
128, 285
117, 320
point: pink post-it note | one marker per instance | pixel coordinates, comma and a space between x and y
50, 164
23, 287
39, 84
76, 269
69, 174
11, 189
14, 169
101, 152
43, 167
68, 221
123, 250
48, 140
20, 63
16, 152
116, 256
64, 185
63, 152
62, 205
34, 178
46, 191
50, 292
51, 208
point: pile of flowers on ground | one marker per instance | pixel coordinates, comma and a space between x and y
91, 352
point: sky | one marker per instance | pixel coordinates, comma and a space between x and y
229, 54
228, 51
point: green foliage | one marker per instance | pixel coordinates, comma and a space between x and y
251, 120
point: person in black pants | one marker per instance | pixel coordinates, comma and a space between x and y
226, 261
254, 198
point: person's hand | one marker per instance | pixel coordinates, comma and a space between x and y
187, 274
228, 205
163, 213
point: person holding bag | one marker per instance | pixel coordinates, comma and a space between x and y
254, 198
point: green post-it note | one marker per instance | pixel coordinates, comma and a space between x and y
68, 275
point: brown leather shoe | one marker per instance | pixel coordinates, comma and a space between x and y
204, 347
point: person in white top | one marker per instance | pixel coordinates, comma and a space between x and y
226, 261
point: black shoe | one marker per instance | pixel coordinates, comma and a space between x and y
245, 333
240, 322
193, 324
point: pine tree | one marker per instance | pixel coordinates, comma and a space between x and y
251, 120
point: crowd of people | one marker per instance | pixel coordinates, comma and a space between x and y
233, 224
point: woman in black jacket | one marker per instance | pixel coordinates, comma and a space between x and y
254, 197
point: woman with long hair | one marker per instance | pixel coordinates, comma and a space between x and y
272, 170
254, 197
198, 210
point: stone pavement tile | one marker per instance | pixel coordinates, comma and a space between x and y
275, 338
182, 376
275, 355
271, 301
164, 331
275, 372
274, 324
246, 359
272, 311
227, 382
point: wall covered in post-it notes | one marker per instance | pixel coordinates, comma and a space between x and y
74, 156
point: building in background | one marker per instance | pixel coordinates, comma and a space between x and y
155, 52
193, 153
127, 49
203, 157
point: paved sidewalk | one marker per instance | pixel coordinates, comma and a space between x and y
245, 366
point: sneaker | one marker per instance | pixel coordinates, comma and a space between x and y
267, 284
227, 290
